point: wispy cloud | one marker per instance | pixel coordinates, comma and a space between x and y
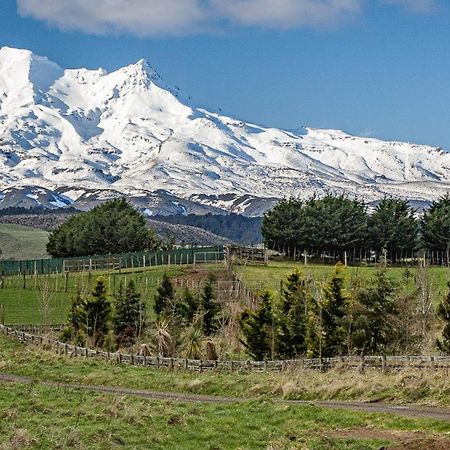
177, 17
416, 6
140, 17
287, 13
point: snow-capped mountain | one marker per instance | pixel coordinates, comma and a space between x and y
77, 137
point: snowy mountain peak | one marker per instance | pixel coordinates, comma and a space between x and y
143, 70
24, 75
82, 136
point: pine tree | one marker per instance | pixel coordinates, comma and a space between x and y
443, 312
330, 223
258, 329
291, 315
98, 312
393, 228
129, 317
190, 304
436, 226
76, 326
334, 313
164, 298
209, 306
77, 315
314, 326
373, 328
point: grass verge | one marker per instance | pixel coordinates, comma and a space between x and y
414, 387
50, 418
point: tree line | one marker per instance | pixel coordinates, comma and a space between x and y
184, 320
338, 223
326, 320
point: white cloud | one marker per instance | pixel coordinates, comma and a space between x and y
416, 6
175, 17
287, 13
153, 17
141, 17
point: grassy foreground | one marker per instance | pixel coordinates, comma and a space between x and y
19, 242
420, 388
48, 417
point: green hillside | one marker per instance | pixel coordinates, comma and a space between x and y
19, 242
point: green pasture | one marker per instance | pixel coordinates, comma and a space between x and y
23, 298
271, 276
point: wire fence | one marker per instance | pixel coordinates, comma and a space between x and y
180, 256
382, 363
362, 257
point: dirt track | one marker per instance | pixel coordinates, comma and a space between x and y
421, 412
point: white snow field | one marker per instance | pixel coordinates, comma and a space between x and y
80, 136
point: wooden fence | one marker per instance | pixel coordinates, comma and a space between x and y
360, 363
361, 257
238, 254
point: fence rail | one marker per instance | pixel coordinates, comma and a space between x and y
98, 262
361, 363
362, 257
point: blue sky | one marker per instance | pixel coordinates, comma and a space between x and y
371, 67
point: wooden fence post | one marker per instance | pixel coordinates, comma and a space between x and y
362, 364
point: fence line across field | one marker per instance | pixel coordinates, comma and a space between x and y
179, 256
360, 363
360, 257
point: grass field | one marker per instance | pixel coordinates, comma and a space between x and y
21, 297
48, 417
261, 277
428, 388
19, 242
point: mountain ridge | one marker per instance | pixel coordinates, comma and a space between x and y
75, 137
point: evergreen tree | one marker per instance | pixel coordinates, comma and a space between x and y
113, 227
331, 223
210, 308
290, 338
77, 314
373, 327
436, 226
190, 306
164, 298
393, 228
443, 312
129, 317
314, 326
76, 326
280, 225
334, 314
258, 329
98, 313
